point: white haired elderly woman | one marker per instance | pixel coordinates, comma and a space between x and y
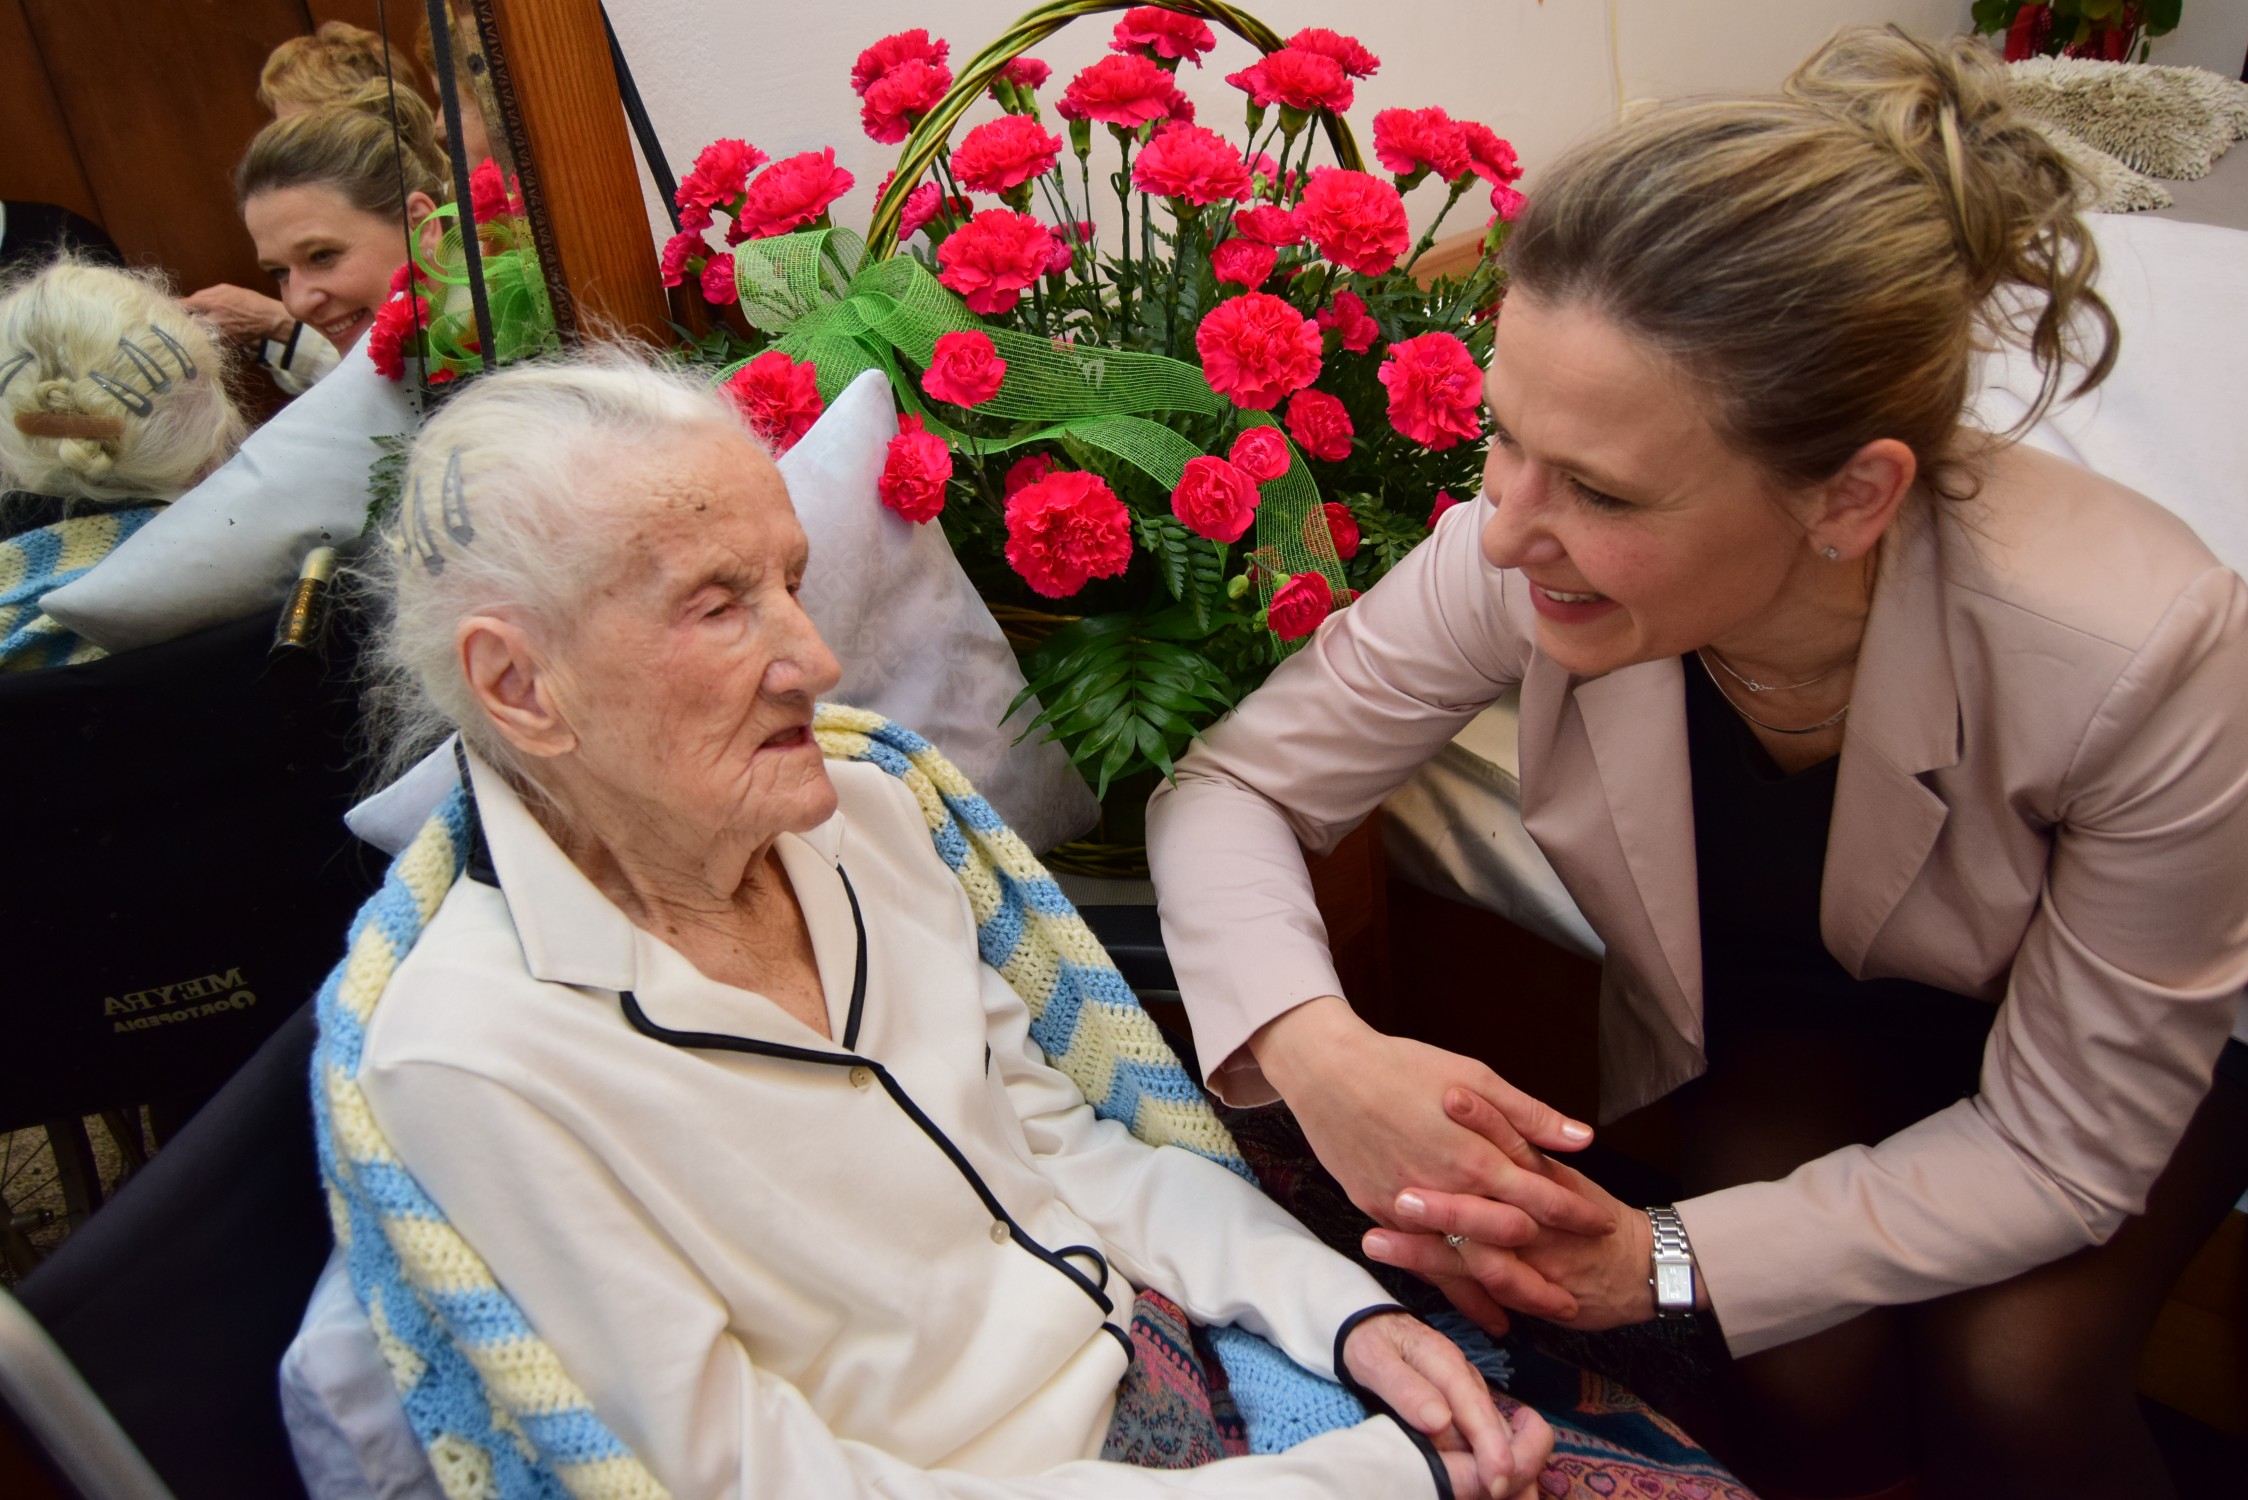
600, 1060
113, 403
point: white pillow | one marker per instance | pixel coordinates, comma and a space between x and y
349, 1433
917, 644
232, 545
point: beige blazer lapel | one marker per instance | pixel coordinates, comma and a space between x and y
1635, 723
1904, 720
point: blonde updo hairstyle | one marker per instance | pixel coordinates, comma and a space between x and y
349, 147
1826, 263
512, 505
109, 389
331, 63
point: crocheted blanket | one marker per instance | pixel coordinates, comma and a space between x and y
33, 564
488, 1399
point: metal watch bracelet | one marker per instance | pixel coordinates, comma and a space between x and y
1672, 1272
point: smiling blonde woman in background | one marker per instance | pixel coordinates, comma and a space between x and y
1903, 772
327, 195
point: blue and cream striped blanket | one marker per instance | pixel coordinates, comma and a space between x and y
488, 1399
34, 563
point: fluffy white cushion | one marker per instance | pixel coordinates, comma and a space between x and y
346, 1426
2168, 122
2110, 187
915, 641
231, 546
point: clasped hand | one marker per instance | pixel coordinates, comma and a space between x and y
1430, 1144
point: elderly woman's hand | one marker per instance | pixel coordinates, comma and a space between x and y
240, 314
1428, 1382
1602, 1280
1385, 1113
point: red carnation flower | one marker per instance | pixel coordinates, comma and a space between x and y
1343, 527
1163, 33
793, 193
1269, 225
1302, 602
921, 206
1349, 318
1125, 90
679, 254
717, 179
1059, 256
719, 287
1347, 52
1261, 453
1356, 219
1435, 390
1065, 529
1027, 470
1191, 164
1297, 79
1506, 204
900, 47
1005, 153
488, 196
1412, 141
395, 324
1215, 499
441, 377
1444, 502
779, 396
965, 369
899, 98
1256, 349
1243, 262
694, 217
915, 470
990, 259
1491, 158
1026, 73
1320, 424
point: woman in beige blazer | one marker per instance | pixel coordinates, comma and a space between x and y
1903, 772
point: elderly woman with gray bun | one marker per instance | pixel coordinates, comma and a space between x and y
1903, 771
113, 403
608, 1057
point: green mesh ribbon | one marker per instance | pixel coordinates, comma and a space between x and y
825, 303
514, 288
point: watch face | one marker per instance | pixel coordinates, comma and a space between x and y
1674, 1286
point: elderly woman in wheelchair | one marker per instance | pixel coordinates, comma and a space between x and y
702, 1060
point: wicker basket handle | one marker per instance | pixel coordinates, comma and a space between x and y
935, 128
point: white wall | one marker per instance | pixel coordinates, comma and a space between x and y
2211, 34
1541, 74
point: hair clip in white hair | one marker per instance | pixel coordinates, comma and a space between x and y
125, 396
145, 363
452, 514
12, 369
179, 353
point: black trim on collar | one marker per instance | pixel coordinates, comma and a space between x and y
715, 1041
479, 868
1379, 1407
858, 965
289, 349
1131, 1351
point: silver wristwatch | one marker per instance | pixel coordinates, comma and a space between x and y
1672, 1276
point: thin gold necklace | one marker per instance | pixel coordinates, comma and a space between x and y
1829, 720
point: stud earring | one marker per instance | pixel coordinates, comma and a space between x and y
1829, 553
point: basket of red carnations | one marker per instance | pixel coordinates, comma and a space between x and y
1166, 450
429, 323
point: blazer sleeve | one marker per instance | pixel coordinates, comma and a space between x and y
1175, 1221
661, 1366
1380, 687
2121, 996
